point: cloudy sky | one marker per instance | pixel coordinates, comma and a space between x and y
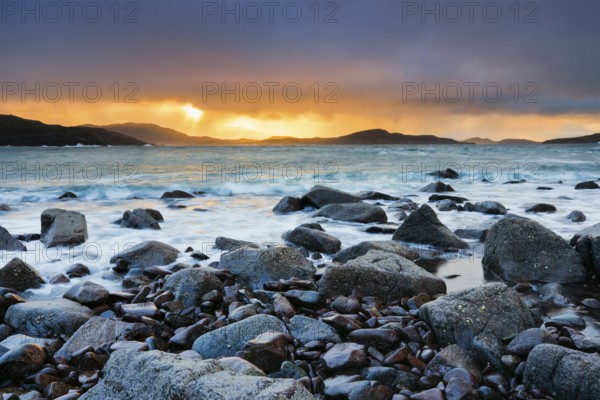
307, 68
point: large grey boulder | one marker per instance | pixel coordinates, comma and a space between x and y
156, 375
19, 275
47, 318
228, 244
190, 284
364, 213
490, 207
563, 373
320, 196
147, 254
313, 240
63, 228
381, 274
139, 219
423, 226
7, 242
587, 242
98, 332
255, 267
460, 316
519, 250
228, 340
352, 252
288, 204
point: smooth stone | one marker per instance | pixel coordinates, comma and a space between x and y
87, 293
364, 213
382, 339
437, 187
313, 240
320, 196
22, 360
19, 275
576, 216
189, 285
306, 330
345, 356
63, 228
176, 194
8, 243
390, 246
147, 254
288, 204
490, 207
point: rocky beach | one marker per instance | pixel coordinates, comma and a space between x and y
308, 316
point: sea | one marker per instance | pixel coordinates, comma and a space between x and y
236, 189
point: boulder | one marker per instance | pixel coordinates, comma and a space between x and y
313, 240
288, 204
490, 207
63, 228
437, 187
5, 207
176, 194
99, 332
306, 329
22, 360
255, 267
518, 250
18, 275
476, 234
362, 248
87, 293
587, 185
541, 208
228, 244
67, 195
319, 196
576, 216
525, 341
460, 316
227, 341
7, 242
155, 214
189, 285
563, 373
587, 242
447, 173
424, 227
446, 205
345, 356
47, 318
440, 197
381, 274
138, 219
147, 254
353, 212
369, 195
156, 375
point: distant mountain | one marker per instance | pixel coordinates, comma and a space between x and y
169, 137
478, 140
595, 139
15, 131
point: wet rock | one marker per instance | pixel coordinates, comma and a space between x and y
519, 250
382, 339
139, 219
587, 185
437, 187
48, 344
423, 226
430, 394
476, 234
129, 346
525, 341
87, 293
587, 242
320, 196
186, 338
306, 330
345, 356
288, 204
140, 309
353, 212
227, 341
283, 307
22, 360
19, 275
488, 348
77, 271
155, 214
176, 194
593, 304
346, 305
490, 207
563, 373
552, 293
7, 242
242, 312
5, 207
63, 228
570, 320
446, 205
447, 173
457, 389
377, 273
255, 267
189, 285
541, 208
171, 376
239, 365
99, 332
576, 216
382, 229
440, 197
267, 351
228, 244
147, 254
313, 240
459, 317
305, 298
45, 318
369, 195
452, 357
67, 195
363, 248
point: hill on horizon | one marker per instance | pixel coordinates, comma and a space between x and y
16, 131
486, 141
593, 138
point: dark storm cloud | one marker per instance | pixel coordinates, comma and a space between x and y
373, 50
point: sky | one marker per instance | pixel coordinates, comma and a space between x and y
255, 69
